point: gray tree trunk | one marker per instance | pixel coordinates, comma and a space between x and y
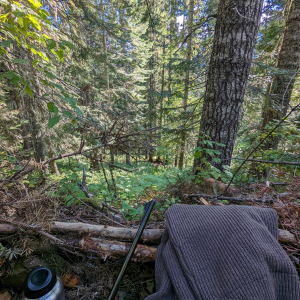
277, 102
234, 40
187, 79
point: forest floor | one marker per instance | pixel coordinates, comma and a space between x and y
85, 273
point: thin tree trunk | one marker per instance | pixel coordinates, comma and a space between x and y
162, 88
38, 137
20, 101
53, 165
94, 160
151, 98
187, 79
105, 51
112, 155
234, 40
128, 160
277, 102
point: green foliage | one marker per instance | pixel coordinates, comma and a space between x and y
130, 186
206, 153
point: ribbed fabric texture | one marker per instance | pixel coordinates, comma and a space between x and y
223, 252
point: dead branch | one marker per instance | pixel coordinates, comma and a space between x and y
18, 172
294, 163
111, 165
149, 235
83, 185
60, 156
108, 248
259, 143
228, 198
278, 183
31, 227
100, 213
104, 173
115, 211
281, 195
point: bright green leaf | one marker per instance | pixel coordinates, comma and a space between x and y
60, 54
28, 91
35, 62
35, 3
52, 107
34, 22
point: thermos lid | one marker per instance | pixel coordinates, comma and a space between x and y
39, 282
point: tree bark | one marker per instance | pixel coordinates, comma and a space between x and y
149, 235
128, 160
121, 233
112, 155
187, 79
94, 160
277, 102
105, 51
107, 248
53, 165
234, 40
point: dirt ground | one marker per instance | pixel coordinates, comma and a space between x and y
85, 274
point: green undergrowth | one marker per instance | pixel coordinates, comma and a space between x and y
133, 188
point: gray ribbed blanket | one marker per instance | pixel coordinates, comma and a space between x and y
223, 252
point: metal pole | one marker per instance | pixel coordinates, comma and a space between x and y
132, 249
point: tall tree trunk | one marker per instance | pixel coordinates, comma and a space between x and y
151, 96
234, 40
162, 88
277, 102
38, 142
105, 51
35, 115
20, 101
187, 79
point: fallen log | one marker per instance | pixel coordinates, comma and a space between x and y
106, 248
149, 235
228, 198
281, 195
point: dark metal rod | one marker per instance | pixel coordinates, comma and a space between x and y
131, 251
